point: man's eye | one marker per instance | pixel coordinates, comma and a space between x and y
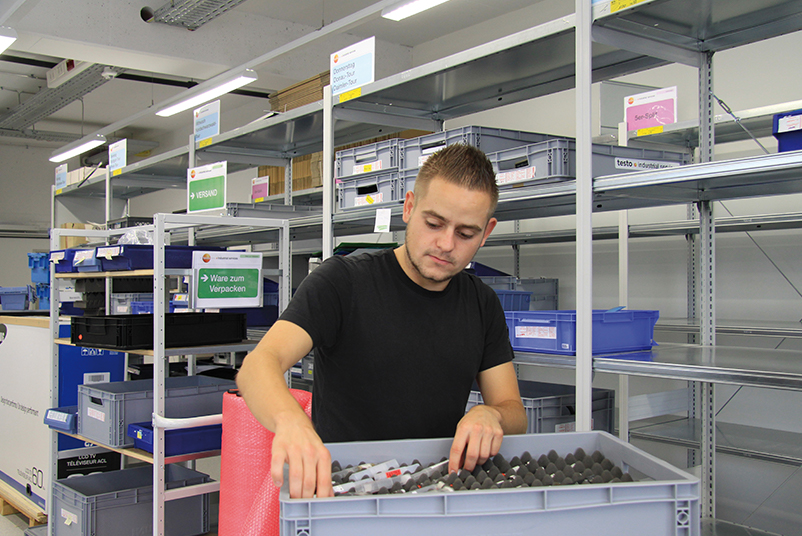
432, 225
465, 236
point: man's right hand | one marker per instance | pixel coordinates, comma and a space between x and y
297, 444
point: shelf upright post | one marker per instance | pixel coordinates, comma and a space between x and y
707, 303
55, 237
328, 173
158, 373
584, 217
288, 182
623, 299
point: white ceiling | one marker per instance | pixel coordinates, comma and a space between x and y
112, 32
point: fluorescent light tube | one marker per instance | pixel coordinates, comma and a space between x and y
407, 9
7, 37
77, 147
245, 77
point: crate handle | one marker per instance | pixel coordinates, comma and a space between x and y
513, 163
369, 155
535, 320
426, 146
96, 401
369, 189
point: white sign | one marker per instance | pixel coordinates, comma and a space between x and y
351, 68
207, 121
652, 109
227, 279
382, 220
117, 157
206, 187
61, 176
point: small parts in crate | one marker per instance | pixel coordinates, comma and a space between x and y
497, 473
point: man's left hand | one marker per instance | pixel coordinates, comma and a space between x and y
479, 435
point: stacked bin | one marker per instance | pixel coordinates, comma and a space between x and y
381, 173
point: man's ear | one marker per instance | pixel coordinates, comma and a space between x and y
491, 224
409, 203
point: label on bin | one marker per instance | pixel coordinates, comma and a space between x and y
53, 415
57, 256
108, 253
69, 517
536, 332
83, 255
367, 168
789, 123
637, 165
366, 200
95, 414
516, 175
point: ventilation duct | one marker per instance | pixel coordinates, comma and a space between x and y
191, 14
50, 100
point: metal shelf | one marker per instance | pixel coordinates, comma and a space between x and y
734, 327
244, 346
738, 440
715, 527
777, 369
143, 455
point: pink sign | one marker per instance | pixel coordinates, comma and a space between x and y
651, 109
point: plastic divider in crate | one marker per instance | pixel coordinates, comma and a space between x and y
554, 332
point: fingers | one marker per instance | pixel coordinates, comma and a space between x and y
324, 477
455, 455
309, 468
477, 439
277, 461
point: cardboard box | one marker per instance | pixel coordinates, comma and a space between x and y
300, 94
307, 170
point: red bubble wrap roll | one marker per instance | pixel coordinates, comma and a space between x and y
249, 502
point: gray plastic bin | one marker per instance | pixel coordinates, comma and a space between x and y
120, 503
545, 291
372, 189
551, 407
555, 160
664, 501
381, 155
106, 409
414, 152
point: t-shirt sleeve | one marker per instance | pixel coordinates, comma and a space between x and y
321, 302
497, 340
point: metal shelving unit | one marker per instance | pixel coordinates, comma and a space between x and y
163, 225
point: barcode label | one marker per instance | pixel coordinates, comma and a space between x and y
516, 175
54, 415
95, 414
97, 377
536, 332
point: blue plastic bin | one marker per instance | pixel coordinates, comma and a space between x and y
140, 257
514, 300
63, 260
789, 140
40, 269
146, 307
64, 419
554, 332
16, 298
85, 260
43, 293
177, 442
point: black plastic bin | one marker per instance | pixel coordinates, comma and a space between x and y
130, 332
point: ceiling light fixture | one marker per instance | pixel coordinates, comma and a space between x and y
407, 9
7, 37
209, 90
77, 147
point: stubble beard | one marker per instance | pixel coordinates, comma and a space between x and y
420, 272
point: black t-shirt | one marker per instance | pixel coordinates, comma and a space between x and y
392, 359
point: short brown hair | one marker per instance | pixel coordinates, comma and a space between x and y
463, 165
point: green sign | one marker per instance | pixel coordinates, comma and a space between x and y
209, 193
228, 283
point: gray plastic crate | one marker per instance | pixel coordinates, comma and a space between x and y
551, 407
121, 302
664, 501
372, 189
382, 155
106, 409
120, 503
555, 160
414, 152
39, 530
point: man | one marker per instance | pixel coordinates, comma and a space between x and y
399, 338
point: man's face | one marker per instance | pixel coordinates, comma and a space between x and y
445, 228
